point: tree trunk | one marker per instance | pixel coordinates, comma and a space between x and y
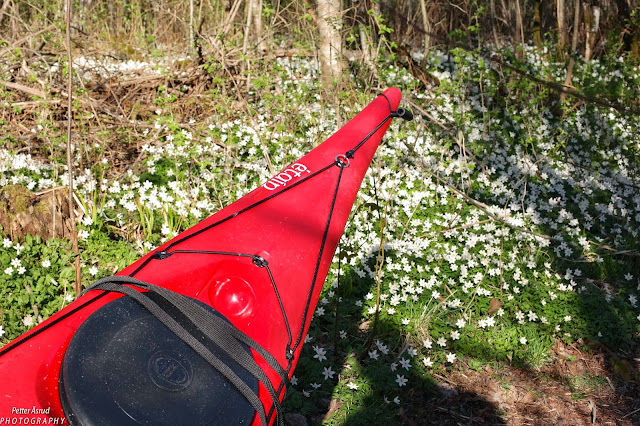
562, 29
634, 45
3, 8
427, 27
537, 27
366, 54
506, 18
576, 27
245, 43
519, 30
493, 22
192, 40
330, 42
574, 48
592, 25
257, 23
624, 17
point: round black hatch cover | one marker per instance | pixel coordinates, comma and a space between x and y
124, 367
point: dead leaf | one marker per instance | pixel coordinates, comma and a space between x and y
564, 351
494, 305
334, 405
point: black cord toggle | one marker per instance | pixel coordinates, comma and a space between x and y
259, 261
342, 161
405, 114
161, 255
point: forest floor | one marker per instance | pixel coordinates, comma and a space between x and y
575, 388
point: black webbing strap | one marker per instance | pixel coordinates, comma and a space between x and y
223, 334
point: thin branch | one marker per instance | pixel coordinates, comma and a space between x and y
468, 225
615, 251
73, 231
22, 88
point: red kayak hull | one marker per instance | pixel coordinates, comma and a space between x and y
296, 232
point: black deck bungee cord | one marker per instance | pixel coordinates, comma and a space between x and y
213, 327
259, 262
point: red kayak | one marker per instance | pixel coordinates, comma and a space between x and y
211, 324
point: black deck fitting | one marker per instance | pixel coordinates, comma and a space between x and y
161, 255
259, 261
405, 114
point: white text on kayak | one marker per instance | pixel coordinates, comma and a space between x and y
285, 176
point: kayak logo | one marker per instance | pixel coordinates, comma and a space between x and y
169, 371
287, 175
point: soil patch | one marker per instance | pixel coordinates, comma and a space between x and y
576, 388
24, 212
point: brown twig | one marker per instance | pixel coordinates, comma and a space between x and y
616, 251
442, 231
72, 220
22, 88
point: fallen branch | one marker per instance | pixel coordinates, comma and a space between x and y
429, 116
28, 104
442, 231
616, 251
631, 413
22, 88
140, 80
447, 130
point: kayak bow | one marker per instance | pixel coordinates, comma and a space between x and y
211, 324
